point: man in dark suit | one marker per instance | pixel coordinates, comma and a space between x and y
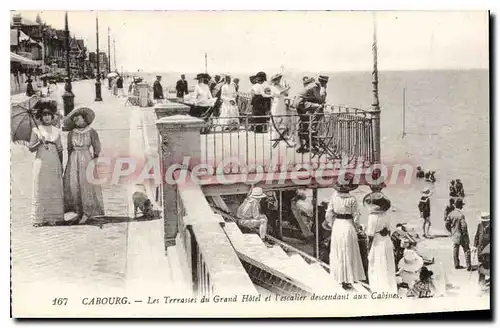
460, 235
182, 87
308, 102
157, 89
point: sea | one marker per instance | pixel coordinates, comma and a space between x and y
447, 125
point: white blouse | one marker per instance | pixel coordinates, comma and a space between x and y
342, 204
377, 222
228, 92
201, 94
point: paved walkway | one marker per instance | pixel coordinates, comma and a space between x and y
78, 255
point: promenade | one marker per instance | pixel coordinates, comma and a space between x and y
80, 255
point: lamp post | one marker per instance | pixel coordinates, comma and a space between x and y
68, 96
109, 58
98, 77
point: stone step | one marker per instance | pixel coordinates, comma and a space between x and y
322, 275
235, 235
278, 252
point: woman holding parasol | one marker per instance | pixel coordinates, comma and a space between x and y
47, 198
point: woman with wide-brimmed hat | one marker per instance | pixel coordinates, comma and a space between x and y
250, 212
381, 264
229, 115
81, 196
278, 108
346, 266
47, 197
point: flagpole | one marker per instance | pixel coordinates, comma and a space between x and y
375, 108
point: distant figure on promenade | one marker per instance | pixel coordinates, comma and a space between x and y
342, 215
115, 86
307, 102
381, 264
250, 213
424, 206
279, 121
229, 115
481, 240
181, 87
429, 176
449, 208
119, 86
47, 196
81, 196
236, 83
157, 89
460, 235
201, 96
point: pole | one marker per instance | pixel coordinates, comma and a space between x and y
114, 54
109, 50
404, 112
98, 95
375, 110
316, 223
68, 96
206, 69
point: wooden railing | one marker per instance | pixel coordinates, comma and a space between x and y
214, 265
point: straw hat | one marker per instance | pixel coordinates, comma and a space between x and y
257, 193
200, 76
345, 184
485, 216
87, 113
411, 262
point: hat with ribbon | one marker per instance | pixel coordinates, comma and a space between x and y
345, 183
377, 202
87, 114
485, 216
411, 261
276, 76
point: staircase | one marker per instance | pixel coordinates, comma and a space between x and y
281, 268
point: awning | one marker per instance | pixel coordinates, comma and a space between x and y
23, 60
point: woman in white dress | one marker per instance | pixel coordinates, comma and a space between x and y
47, 198
202, 97
228, 118
381, 265
346, 266
278, 107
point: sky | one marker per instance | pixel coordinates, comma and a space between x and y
315, 41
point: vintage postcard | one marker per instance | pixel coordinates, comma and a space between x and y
249, 163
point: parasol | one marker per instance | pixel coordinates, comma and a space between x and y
22, 121
112, 74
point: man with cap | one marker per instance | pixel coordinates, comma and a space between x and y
424, 206
307, 102
157, 89
182, 87
482, 239
250, 213
460, 235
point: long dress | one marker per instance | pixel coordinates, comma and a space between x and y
47, 198
346, 265
202, 98
381, 265
81, 195
228, 113
278, 112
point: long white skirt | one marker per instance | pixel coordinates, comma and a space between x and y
346, 265
381, 266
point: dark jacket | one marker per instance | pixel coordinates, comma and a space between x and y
182, 88
482, 238
309, 98
459, 231
424, 206
119, 83
157, 90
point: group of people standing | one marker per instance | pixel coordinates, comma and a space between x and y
57, 192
